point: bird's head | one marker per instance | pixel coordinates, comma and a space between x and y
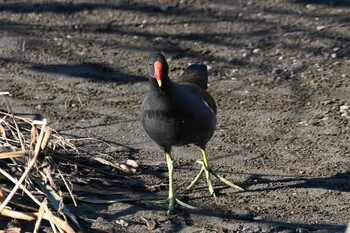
157, 68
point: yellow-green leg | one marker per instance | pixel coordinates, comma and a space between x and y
172, 197
207, 170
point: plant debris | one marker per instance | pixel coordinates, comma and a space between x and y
29, 152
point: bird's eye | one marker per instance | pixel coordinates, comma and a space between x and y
150, 64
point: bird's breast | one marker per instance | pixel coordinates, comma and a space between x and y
174, 128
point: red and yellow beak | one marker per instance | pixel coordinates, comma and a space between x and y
158, 67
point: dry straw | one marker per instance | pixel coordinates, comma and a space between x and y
23, 146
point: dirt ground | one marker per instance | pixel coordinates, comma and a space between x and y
278, 69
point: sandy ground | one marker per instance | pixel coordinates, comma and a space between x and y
279, 71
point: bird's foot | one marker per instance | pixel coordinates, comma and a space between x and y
207, 170
171, 201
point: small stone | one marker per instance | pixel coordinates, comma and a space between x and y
346, 115
150, 223
320, 27
301, 230
333, 55
234, 71
303, 123
158, 38
122, 222
344, 108
256, 51
164, 8
310, 6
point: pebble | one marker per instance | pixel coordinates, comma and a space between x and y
345, 111
122, 222
256, 51
258, 218
302, 230
344, 108
320, 27
158, 38
164, 8
310, 6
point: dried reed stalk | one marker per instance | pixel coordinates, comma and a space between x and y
22, 140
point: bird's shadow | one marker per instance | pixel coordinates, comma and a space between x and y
93, 71
339, 182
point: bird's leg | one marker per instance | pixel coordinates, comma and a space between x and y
206, 168
172, 197
207, 172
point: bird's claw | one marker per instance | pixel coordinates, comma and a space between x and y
208, 171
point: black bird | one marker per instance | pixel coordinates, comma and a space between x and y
177, 114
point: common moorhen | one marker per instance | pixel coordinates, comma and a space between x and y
177, 114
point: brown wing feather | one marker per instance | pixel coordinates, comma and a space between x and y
196, 74
196, 78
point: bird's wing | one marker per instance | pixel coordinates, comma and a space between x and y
200, 92
195, 74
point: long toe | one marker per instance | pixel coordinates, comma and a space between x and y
204, 170
173, 201
222, 179
208, 171
196, 179
210, 185
185, 205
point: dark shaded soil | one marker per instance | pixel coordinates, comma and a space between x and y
279, 71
